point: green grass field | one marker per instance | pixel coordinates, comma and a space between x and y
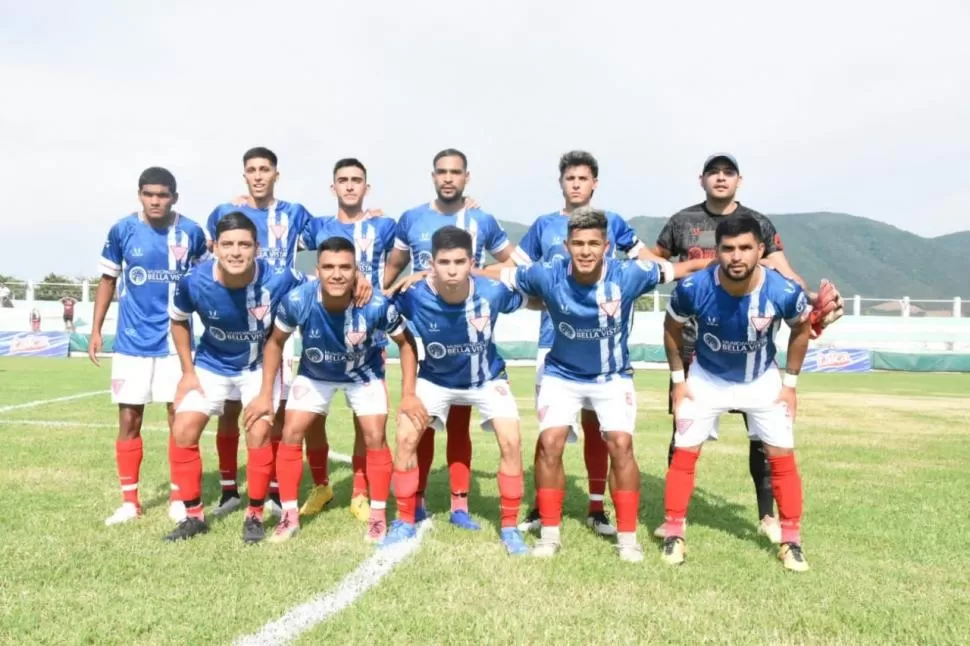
884, 460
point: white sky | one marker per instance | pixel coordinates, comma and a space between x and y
858, 107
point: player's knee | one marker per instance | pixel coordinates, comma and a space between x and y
620, 445
509, 442
407, 441
777, 451
550, 446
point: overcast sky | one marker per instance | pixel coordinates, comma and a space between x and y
859, 107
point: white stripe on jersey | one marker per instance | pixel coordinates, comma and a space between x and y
603, 323
252, 303
473, 363
754, 310
770, 332
173, 265
616, 295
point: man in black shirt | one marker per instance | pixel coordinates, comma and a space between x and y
689, 234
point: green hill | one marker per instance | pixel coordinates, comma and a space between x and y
862, 256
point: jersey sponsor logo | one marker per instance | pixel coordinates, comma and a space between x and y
423, 260
479, 322
355, 337
437, 350
610, 307
314, 355
242, 336
273, 254
589, 334
761, 323
137, 276
734, 347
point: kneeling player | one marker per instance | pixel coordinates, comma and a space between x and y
590, 300
235, 296
454, 314
738, 306
342, 348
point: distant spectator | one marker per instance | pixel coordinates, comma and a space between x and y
6, 299
68, 303
35, 320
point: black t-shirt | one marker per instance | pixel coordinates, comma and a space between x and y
689, 234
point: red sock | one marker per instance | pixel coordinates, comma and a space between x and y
459, 450
425, 460
379, 469
678, 490
289, 470
274, 485
359, 463
228, 448
186, 465
786, 484
597, 457
405, 490
128, 455
510, 494
258, 469
550, 506
319, 469
627, 505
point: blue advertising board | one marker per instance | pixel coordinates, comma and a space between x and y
34, 344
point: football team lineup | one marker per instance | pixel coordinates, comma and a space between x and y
237, 276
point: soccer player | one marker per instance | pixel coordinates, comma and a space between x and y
279, 225
235, 296
342, 348
690, 234
454, 314
738, 306
145, 255
413, 242
68, 302
590, 300
545, 240
372, 240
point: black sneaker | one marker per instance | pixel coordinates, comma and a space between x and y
531, 522
229, 502
253, 530
187, 528
599, 522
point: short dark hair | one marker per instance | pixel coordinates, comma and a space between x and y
450, 237
735, 225
157, 175
234, 221
586, 218
579, 158
260, 152
335, 244
450, 152
349, 162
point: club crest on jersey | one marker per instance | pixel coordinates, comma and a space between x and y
479, 322
178, 251
610, 307
761, 323
279, 230
259, 311
355, 337
364, 243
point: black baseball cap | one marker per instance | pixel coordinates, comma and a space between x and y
729, 158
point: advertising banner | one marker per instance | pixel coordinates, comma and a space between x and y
34, 344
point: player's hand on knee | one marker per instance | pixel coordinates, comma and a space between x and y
95, 343
260, 408
789, 399
412, 408
405, 283
188, 383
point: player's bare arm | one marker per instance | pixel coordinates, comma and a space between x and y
396, 262
801, 333
262, 405
674, 348
182, 340
410, 406
102, 301
363, 290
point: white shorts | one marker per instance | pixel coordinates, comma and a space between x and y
493, 399
218, 388
142, 380
614, 402
314, 396
711, 396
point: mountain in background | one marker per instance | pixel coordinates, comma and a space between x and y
862, 256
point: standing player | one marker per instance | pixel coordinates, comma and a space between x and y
454, 313
690, 234
738, 307
279, 226
145, 255
545, 240
413, 242
590, 299
372, 240
235, 295
68, 302
342, 348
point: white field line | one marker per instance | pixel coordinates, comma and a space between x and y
43, 402
305, 616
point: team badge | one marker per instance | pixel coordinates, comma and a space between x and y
178, 251
355, 337
258, 312
479, 322
610, 308
761, 323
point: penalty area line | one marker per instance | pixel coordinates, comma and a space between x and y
317, 610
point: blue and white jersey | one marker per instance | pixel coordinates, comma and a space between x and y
546, 240
341, 347
373, 240
278, 229
148, 263
415, 228
459, 351
736, 335
236, 321
592, 322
